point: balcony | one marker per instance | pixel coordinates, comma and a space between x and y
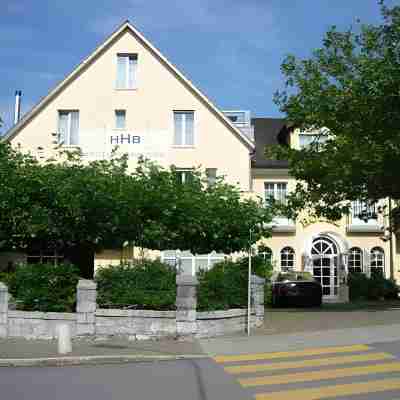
364, 219
283, 225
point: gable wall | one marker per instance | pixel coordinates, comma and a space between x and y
149, 109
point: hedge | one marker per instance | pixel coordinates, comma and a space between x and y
374, 288
44, 287
225, 285
143, 284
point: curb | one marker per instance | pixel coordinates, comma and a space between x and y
93, 360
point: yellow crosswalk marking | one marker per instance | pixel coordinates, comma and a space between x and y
319, 375
319, 362
287, 354
333, 391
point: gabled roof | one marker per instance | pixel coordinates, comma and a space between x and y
269, 131
126, 26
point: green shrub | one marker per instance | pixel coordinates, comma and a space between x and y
358, 286
268, 294
377, 287
6, 277
391, 290
225, 285
145, 284
44, 287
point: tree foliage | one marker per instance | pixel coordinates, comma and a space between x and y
68, 204
350, 88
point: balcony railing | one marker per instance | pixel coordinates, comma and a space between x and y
364, 218
283, 224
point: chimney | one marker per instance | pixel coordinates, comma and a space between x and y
17, 111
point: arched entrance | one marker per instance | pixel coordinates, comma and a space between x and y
324, 255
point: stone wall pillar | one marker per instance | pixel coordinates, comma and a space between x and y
257, 297
3, 310
86, 307
186, 303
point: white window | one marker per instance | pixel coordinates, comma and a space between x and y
377, 260
211, 174
306, 139
120, 119
287, 259
266, 253
355, 260
68, 127
275, 191
184, 175
126, 71
187, 263
183, 128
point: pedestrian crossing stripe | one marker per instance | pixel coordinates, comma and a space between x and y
320, 375
290, 354
333, 391
319, 362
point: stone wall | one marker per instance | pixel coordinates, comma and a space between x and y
217, 323
34, 324
88, 320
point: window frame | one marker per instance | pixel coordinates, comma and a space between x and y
275, 197
355, 257
186, 172
41, 255
67, 141
286, 253
116, 112
376, 256
183, 133
126, 85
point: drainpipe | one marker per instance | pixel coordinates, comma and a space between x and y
17, 109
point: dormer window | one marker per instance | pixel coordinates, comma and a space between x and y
126, 71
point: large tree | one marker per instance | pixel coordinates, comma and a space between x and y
79, 208
349, 88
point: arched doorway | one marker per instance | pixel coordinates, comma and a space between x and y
324, 254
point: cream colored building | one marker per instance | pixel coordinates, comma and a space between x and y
127, 93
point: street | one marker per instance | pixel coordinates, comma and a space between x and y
200, 379
356, 371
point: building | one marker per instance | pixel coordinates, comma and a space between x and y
127, 93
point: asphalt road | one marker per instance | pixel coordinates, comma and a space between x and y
197, 379
356, 371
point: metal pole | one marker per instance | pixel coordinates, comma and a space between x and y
391, 241
249, 289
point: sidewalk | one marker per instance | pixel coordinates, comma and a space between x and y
16, 351
285, 329
298, 341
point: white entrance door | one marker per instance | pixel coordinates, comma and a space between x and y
325, 266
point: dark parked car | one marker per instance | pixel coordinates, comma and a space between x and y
297, 293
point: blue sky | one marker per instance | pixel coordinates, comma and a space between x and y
231, 49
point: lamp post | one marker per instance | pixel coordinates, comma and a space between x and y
249, 287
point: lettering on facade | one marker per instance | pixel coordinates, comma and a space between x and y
125, 139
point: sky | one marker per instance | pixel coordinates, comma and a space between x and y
230, 49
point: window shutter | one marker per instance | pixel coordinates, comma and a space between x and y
189, 134
211, 176
121, 72
132, 72
74, 134
63, 127
178, 128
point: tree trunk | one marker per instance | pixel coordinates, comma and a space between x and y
82, 256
